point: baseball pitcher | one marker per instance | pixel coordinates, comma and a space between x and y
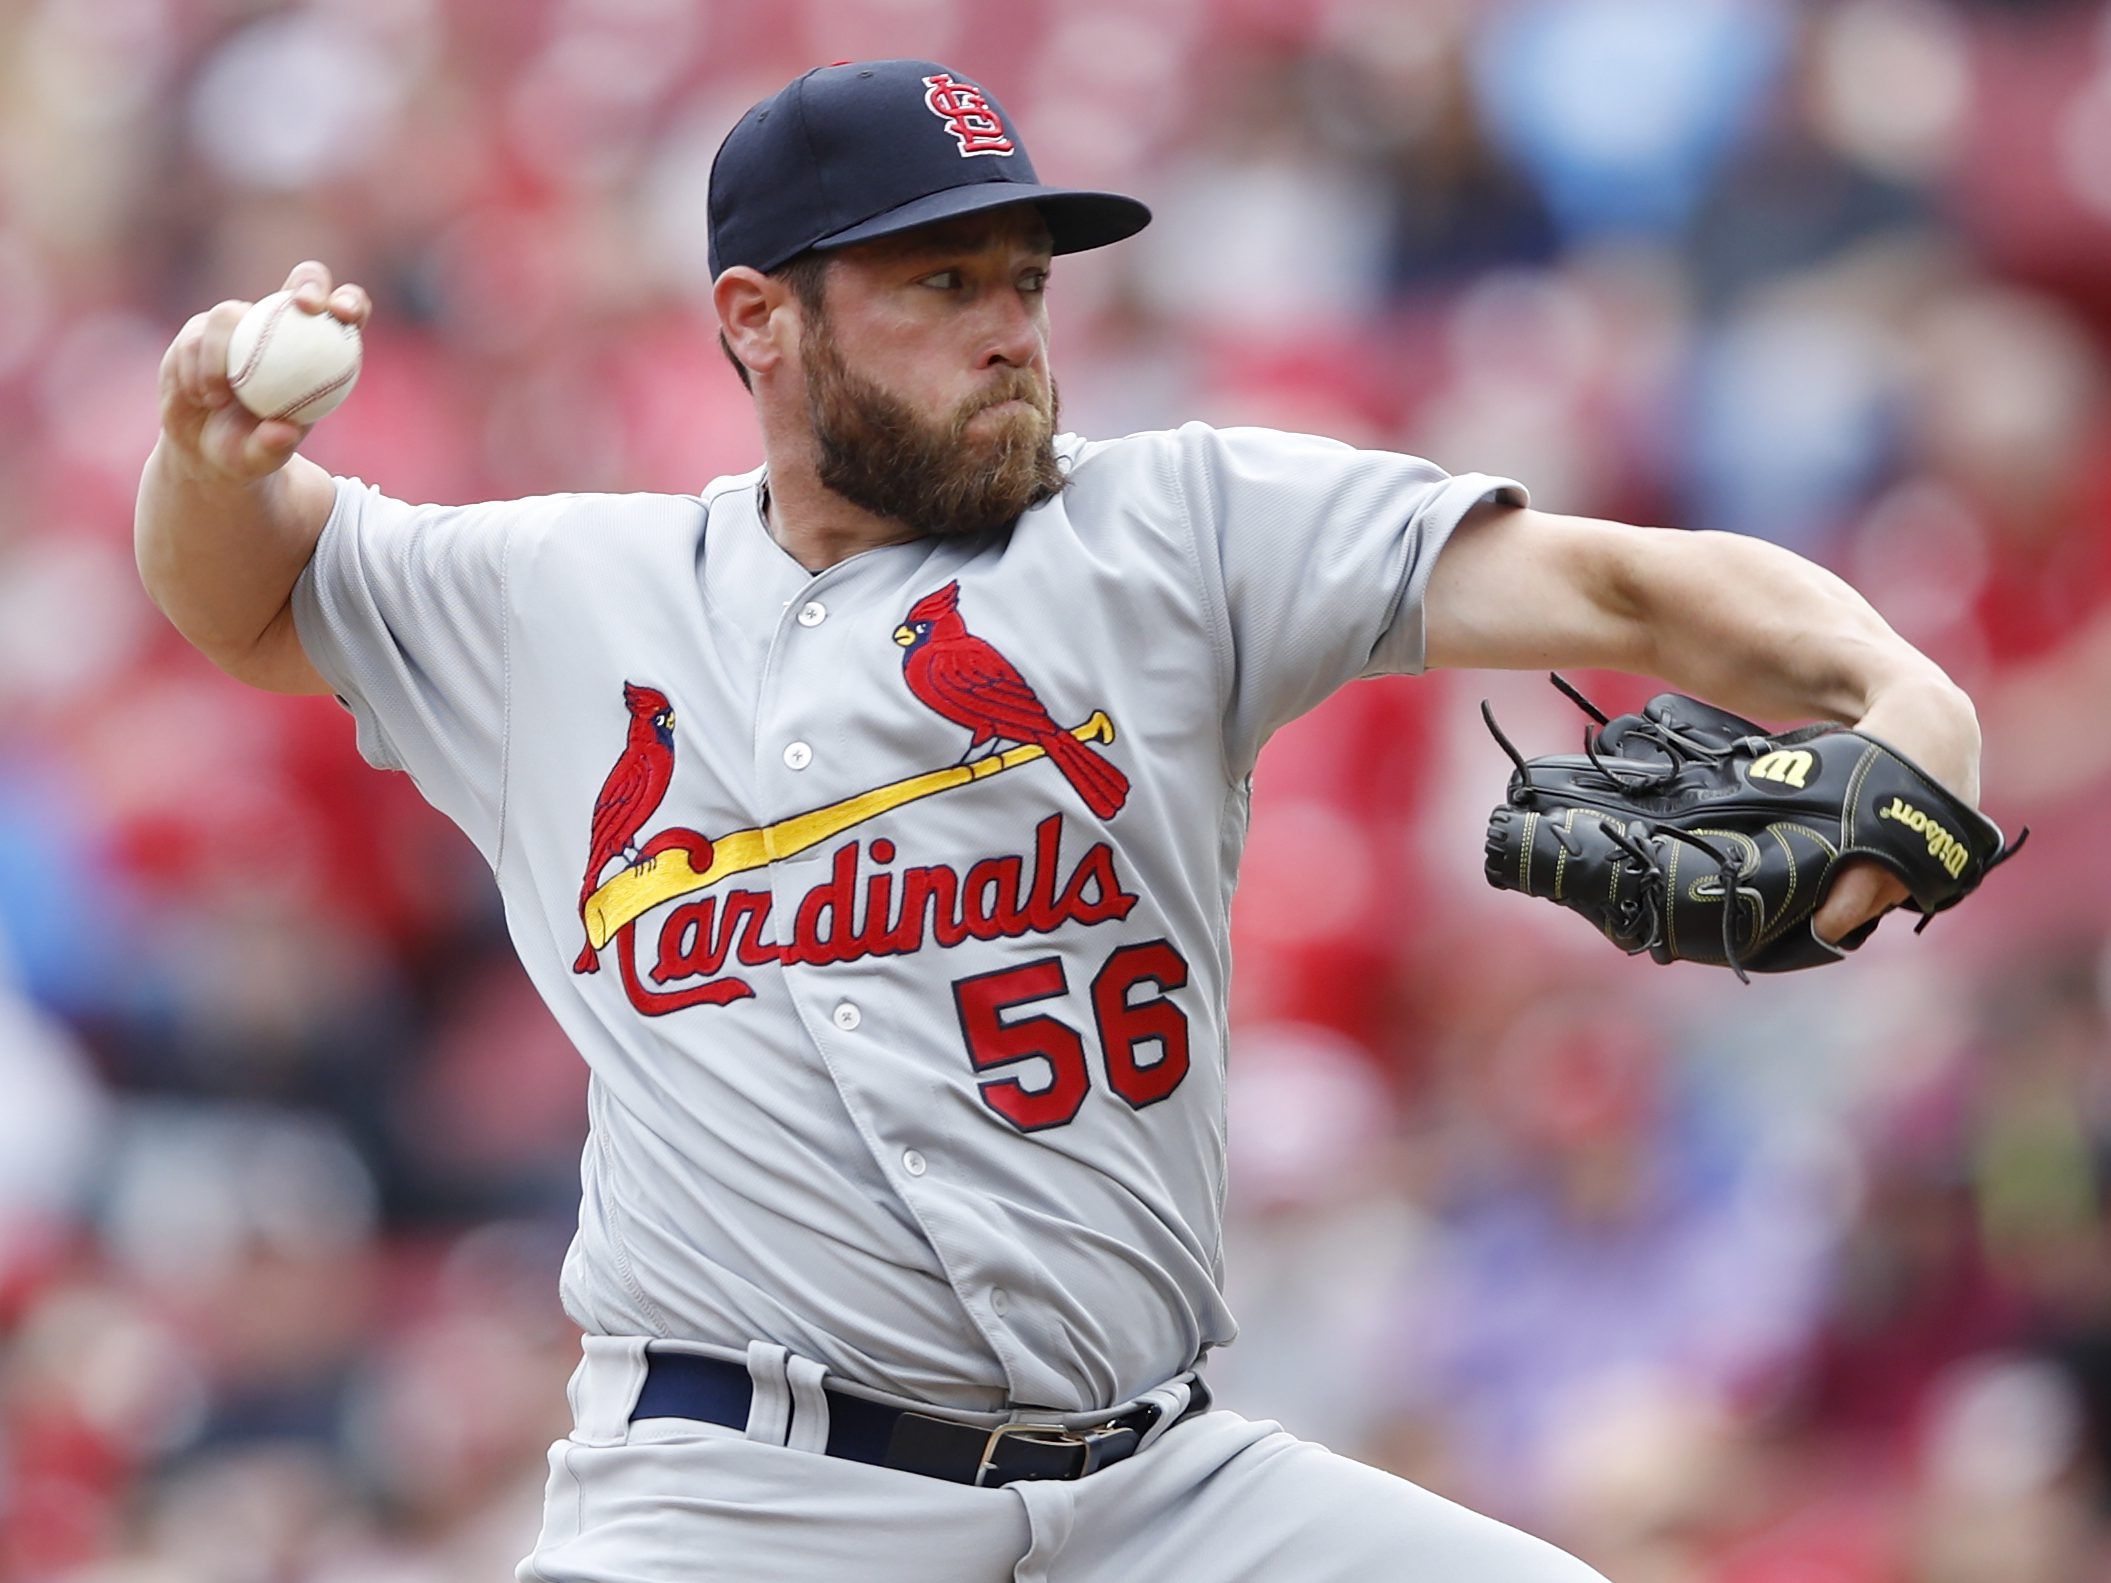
870, 821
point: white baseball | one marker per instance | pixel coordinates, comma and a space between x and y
284, 362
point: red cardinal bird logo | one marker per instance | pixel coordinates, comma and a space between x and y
630, 794
963, 678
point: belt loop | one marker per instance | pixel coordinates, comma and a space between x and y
1051, 1513
604, 1388
1171, 1401
770, 1413
809, 1430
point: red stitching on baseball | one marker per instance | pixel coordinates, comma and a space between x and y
320, 390
256, 352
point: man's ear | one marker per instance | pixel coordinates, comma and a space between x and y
746, 300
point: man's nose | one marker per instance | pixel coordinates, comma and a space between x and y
1013, 335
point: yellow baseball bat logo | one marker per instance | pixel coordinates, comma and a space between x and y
663, 877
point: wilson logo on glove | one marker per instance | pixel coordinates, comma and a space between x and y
1945, 848
1791, 767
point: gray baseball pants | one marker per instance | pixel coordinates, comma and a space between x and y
1216, 1499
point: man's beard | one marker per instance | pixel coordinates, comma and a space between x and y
876, 451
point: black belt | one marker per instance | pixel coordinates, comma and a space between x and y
687, 1385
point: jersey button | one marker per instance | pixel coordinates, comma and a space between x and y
812, 613
798, 755
848, 1016
1000, 1301
915, 1164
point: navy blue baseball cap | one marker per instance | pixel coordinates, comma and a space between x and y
863, 149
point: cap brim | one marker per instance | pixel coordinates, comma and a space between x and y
1076, 220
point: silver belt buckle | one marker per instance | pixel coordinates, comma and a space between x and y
1045, 1434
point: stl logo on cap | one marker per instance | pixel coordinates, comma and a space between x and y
967, 115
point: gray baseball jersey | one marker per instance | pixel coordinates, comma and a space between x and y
888, 905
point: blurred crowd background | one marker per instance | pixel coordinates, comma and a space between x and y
1803, 1283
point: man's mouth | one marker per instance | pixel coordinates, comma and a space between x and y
1007, 405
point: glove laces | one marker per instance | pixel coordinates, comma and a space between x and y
1680, 749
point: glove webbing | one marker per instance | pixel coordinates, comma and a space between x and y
1622, 836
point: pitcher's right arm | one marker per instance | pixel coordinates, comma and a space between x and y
228, 514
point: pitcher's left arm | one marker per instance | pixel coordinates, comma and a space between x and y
1744, 624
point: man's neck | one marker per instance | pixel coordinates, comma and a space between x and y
817, 527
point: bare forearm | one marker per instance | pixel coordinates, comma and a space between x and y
228, 516
1757, 629
1763, 632
220, 557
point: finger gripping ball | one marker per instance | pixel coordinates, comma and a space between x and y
284, 362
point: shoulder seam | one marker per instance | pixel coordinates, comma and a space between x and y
335, 528
1213, 613
505, 700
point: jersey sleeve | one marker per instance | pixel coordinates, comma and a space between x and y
1317, 556
402, 609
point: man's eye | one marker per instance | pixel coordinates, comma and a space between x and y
944, 280
1037, 280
